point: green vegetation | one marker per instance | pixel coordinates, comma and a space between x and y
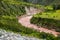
22, 3
9, 11
50, 20
43, 2
49, 14
11, 23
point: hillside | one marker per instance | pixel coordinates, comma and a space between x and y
50, 20
43, 2
11, 10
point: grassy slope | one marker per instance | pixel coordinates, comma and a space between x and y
8, 21
51, 15
50, 20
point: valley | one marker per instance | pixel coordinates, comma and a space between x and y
30, 19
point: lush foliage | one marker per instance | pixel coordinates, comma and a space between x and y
11, 23
9, 10
43, 2
50, 20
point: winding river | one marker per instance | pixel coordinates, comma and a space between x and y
25, 20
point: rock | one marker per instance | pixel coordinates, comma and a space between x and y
4, 35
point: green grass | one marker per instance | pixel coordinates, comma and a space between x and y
8, 21
49, 15
22, 3
50, 20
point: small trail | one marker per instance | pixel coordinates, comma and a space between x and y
25, 21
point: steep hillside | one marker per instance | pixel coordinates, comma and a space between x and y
50, 20
43, 2
10, 10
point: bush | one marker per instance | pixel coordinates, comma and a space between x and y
56, 7
46, 23
8, 20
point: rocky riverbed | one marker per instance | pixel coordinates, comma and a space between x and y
4, 35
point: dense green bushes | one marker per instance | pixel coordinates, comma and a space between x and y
43, 2
49, 19
8, 13
56, 7
8, 21
11, 9
46, 23
11, 23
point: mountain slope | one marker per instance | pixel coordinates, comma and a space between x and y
43, 2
